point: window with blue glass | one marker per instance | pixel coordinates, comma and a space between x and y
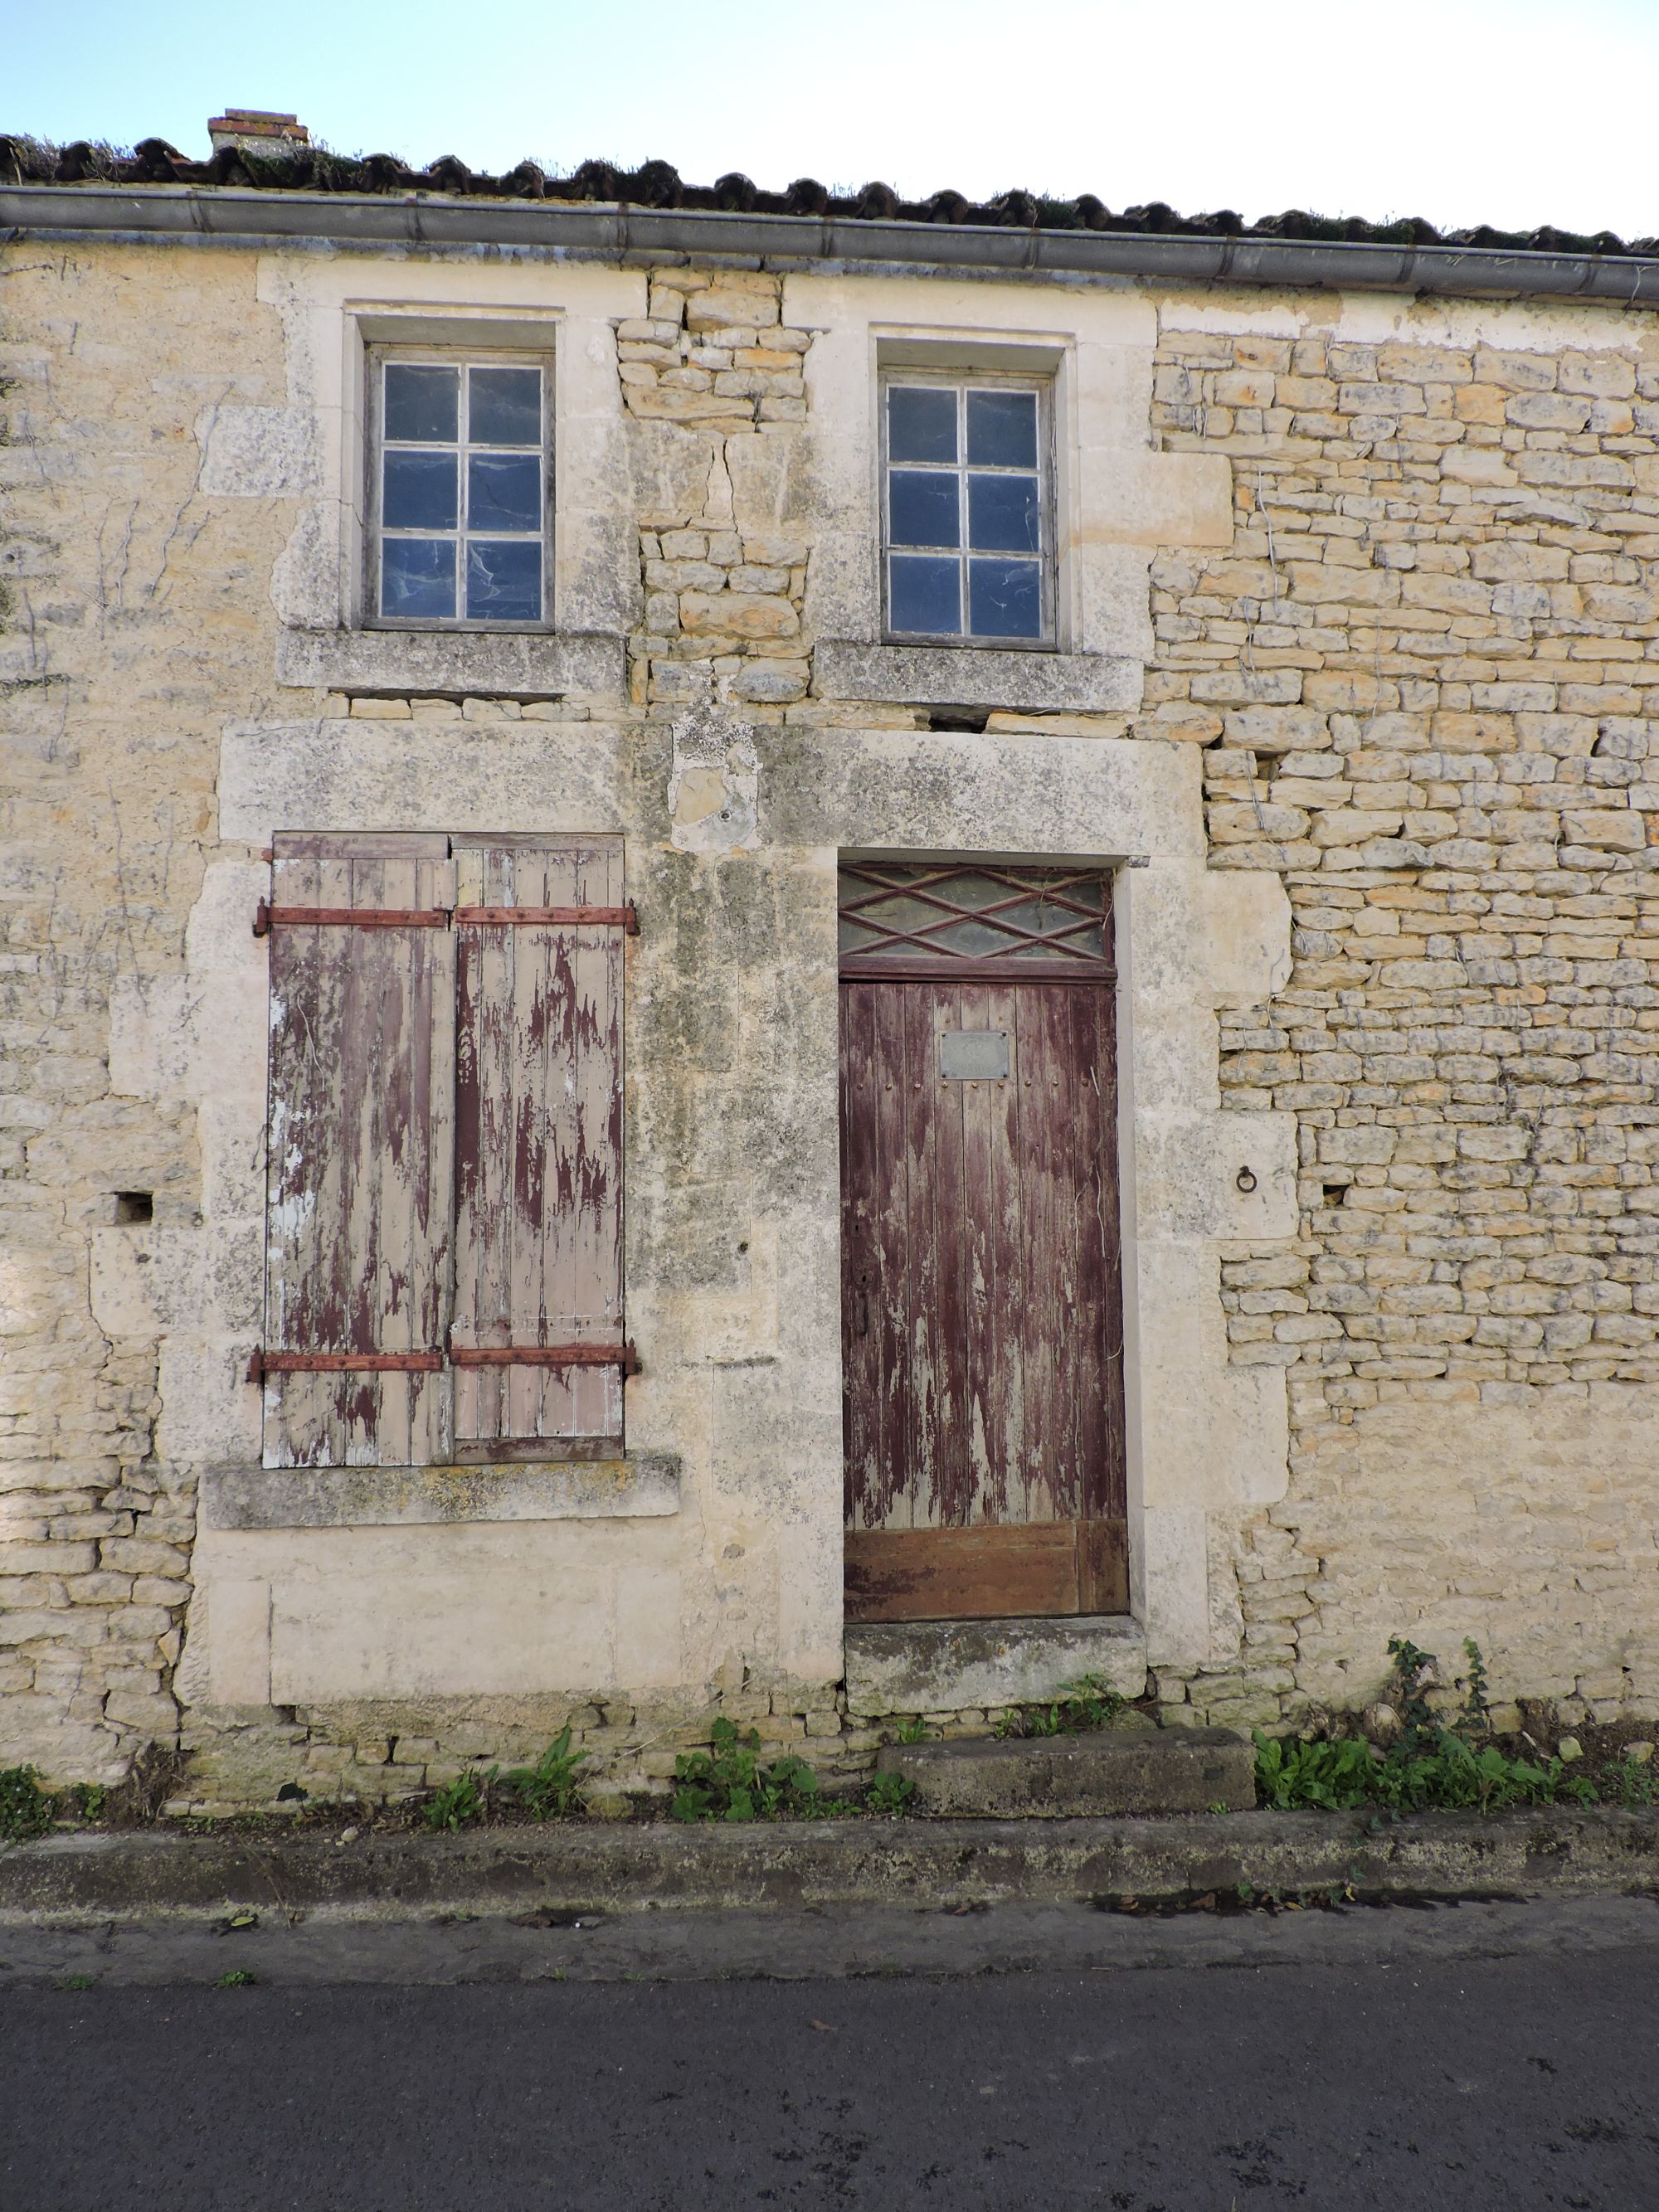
461, 502
966, 511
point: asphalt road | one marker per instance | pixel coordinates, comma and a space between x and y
1485, 2056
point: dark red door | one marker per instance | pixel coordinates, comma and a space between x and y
981, 1298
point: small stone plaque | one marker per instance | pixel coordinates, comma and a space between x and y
973, 1056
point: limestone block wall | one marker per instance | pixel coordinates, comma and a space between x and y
1422, 673
1368, 597
132, 609
724, 574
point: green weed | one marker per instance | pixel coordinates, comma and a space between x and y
459, 1802
1333, 1776
1081, 1705
238, 1978
915, 1730
1635, 1785
25, 1807
728, 1782
1436, 1763
551, 1787
890, 1794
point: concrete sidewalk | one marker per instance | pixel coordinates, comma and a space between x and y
150, 1874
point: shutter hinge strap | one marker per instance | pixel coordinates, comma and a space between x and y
547, 1355
624, 918
267, 917
265, 1363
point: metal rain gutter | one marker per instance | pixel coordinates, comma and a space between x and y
234, 216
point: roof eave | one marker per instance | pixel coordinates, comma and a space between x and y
236, 215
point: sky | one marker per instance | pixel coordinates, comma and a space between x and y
1509, 112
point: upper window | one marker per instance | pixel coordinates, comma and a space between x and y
966, 510
459, 492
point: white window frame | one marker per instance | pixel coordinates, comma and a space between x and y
961, 381
377, 355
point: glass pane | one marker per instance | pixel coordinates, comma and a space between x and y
503, 580
1003, 514
924, 597
421, 403
418, 491
417, 579
1002, 429
924, 509
1005, 598
506, 407
1047, 917
921, 425
899, 917
504, 491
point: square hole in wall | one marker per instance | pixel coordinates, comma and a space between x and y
134, 1206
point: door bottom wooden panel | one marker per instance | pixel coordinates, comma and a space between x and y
1032, 1570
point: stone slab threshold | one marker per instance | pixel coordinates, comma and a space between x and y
150, 1874
1120, 1769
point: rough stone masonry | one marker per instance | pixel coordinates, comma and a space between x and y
1422, 675
1415, 682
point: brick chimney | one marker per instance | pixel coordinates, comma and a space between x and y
257, 131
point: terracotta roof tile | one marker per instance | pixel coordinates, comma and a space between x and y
659, 184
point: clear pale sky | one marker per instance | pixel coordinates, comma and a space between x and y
1509, 112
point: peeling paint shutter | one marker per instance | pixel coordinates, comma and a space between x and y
360, 1151
538, 1148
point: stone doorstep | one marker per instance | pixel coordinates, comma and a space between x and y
1135, 1770
952, 1665
925, 1865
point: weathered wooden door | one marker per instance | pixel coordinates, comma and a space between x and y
982, 1305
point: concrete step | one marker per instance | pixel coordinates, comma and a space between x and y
1113, 1770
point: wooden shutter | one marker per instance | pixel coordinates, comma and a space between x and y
538, 1146
360, 1151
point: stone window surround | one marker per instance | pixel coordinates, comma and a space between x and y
1114, 498
1096, 341
332, 311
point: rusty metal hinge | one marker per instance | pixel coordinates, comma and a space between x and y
625, 918
547, 1355
267, 917
265, 1363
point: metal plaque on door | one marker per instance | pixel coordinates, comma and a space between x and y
972, 1055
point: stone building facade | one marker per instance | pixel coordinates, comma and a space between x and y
1354, 574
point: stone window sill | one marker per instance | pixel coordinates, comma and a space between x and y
976, 676
452, 663
637, 1485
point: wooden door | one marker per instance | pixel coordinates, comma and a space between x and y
981, 1298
